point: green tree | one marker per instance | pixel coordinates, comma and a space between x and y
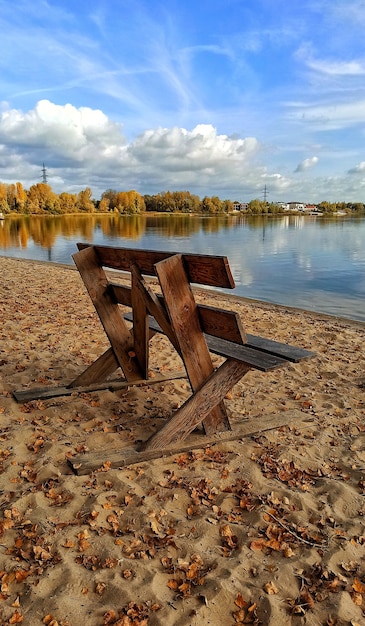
358, 207
256, 207
227, 206
327, 207
151, 203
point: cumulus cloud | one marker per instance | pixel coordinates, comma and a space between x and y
306, 164
358, 169
65, 129
83, 146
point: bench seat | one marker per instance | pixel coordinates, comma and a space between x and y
260, 353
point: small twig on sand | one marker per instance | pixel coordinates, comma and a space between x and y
292, 532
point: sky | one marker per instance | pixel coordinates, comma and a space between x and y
241, 99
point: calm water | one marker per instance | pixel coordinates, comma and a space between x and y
309, 262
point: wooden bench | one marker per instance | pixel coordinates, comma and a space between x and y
194, 330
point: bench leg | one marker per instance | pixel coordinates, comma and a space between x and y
98, 371
198, 406
184, 317
97, 285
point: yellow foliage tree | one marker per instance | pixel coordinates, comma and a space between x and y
84, 202
41, 199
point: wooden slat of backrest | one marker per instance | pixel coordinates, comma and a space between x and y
216, 322
223, 324
202, 269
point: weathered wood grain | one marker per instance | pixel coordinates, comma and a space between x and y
140, 324
103, 460
199, 405
108, 310
183, 313
43, 393
203, 269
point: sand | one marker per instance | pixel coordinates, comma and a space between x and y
265, 529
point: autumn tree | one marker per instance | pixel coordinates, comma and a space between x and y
185, 202
211, 205
227, 206
129, 202
111, 196
103, 206
41, 199
68, 202
84, 204
17, 197
4, 207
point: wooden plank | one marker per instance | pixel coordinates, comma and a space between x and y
199, 405
277, 353
213, 321
221, 323
104, 460
257, 359
42, 393
121, 293
104, 366
108, 310
284, 350
140, 324
155, 306
182, 310
204, 269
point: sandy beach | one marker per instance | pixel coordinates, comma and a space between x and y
265, 529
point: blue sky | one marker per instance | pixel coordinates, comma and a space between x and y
218, 98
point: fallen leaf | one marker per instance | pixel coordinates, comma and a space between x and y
271, 589
358, 586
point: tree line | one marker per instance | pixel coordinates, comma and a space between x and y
40, 199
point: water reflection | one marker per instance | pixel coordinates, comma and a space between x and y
43, 231
314, 263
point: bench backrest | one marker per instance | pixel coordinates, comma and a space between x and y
202, 269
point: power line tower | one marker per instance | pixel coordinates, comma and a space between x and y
44, 174
265, 192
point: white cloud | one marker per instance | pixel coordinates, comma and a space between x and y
338, 68
66, 130
83, 147
306, 164
331, 115
358, 169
